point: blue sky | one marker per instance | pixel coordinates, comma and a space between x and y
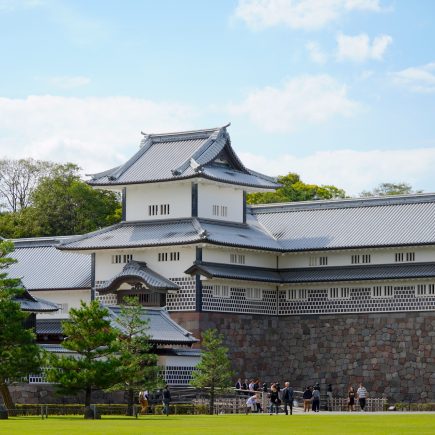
340, 91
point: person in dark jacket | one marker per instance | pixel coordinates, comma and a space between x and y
166, 400
287, 398
307, 396
274, 399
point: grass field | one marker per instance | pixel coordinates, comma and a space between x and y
372, 424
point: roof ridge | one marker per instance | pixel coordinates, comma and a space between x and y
379, 201
186, 132
192, 160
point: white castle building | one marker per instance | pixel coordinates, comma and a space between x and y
337, 291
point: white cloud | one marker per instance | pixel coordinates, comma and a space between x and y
69, 82
96, 133
418, 79
353, 171
301, 100
359, 48
298, 14
316, 54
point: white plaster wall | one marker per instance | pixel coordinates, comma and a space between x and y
252, 258
104, 269
178, 361
215, 194
177, 195
70, 297
343, 258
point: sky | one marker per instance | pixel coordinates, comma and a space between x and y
340, 91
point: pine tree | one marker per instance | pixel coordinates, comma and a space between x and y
88, 333
19, 354
214, 370
138, 368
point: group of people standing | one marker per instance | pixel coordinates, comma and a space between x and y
311, 397
275, 394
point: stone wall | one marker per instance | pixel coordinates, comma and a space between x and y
393, 354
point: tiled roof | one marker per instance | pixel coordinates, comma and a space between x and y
369, 222
314, 274
174, 232
49, 326
35, 305
138, 270
230, 271
162, 329
43, 267
172, 156
359, 273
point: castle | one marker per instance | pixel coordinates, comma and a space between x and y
338, 291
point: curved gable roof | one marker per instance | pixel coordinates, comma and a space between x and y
183, 155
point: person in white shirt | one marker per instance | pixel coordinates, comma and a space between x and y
362, 394
251, 404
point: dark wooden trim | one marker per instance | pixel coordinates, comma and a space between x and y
124, 204
198, 298
194, 200
93, 276
244, 206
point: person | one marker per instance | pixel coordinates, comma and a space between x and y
274, 399
307, 396
351, 399
316, 398
166, 400
238, 385
245, 385
330, 397
287, 398
362, 396
251, 404
143, 401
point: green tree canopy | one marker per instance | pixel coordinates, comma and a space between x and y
62, 204
19, 354
90, 335
137, 368
214, 370
294, 189
387, 189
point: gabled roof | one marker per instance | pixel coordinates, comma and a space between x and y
162, 329
35, 305
43, 267
137, 271
174, 156
356, 223
174, 232
313, 274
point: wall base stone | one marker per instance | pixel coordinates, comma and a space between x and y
393, 354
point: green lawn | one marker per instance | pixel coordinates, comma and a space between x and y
372, 424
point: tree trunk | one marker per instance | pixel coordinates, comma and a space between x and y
211, 400
130, 401
7, 398
88, 396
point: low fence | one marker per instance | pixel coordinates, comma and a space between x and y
372, 404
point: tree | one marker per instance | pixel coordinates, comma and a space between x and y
294, 189
214, 369
90, 335
138, 368
18, 179
62, 204
74, 207
387, 189
19, 354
